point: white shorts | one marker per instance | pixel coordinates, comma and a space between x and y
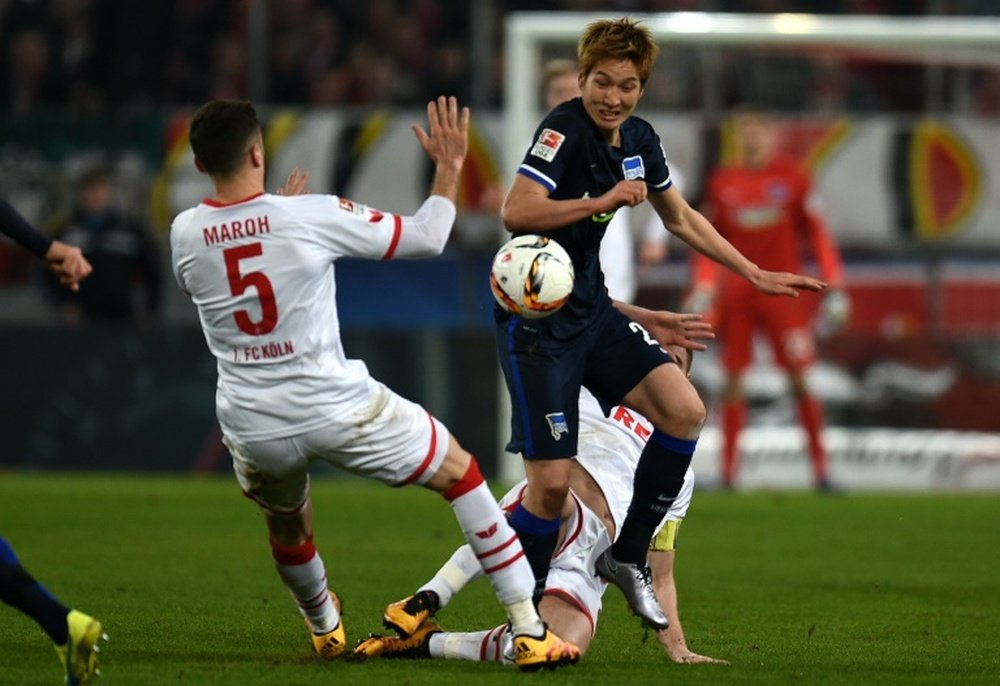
386, 437
571, 574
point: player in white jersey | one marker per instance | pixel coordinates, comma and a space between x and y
260, 269
600, 492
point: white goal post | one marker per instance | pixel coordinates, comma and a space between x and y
936, 40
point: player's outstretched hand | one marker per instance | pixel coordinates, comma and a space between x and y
448, 139
68, 263
687, 330
696, 659
296, 183
785, 283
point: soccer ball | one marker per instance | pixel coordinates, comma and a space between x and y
532, 276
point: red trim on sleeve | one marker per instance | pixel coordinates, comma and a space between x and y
397, 230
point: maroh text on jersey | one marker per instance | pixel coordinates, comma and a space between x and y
246, 228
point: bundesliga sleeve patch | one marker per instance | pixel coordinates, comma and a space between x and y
359, 210
548, 144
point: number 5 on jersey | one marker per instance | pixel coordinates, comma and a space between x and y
238, 284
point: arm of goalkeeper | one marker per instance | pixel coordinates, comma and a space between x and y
834, 312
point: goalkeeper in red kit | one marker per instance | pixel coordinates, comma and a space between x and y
763, 204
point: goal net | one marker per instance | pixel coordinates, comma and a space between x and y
897, 119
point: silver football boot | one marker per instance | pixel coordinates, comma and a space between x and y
634, 581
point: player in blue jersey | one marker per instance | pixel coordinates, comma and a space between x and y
73, 633
590, 157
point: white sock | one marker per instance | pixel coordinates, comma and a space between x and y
460, 569
306, 581
499, 552
478, 646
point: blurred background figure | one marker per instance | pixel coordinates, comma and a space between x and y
763, 203
125, 286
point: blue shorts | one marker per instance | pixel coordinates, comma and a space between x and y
544, 376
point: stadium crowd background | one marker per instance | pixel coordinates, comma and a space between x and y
99, 88
94, 56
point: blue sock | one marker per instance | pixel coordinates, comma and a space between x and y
538, 538
658, 479
18, 589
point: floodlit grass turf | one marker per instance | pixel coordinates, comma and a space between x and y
790, 588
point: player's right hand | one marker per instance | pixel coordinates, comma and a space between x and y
448, 140
68, 263
624, 193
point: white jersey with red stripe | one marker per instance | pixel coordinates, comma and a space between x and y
609, 451
261, 273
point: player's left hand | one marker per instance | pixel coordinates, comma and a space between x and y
785, 283
673, 328
448, 139
695, 659
296, 183
68, 263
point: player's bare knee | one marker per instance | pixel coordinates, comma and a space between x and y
453, 468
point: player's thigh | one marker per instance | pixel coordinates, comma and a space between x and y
274, 473
566, 620
668, 399
622, 356
386, 437
543, 378
571, 604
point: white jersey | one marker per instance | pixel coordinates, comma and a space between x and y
261, 273
609, 451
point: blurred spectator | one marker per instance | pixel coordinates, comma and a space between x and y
28, 80
125, 286
93, 56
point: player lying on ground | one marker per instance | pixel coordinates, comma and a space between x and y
600, 490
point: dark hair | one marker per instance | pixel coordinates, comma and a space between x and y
221, 133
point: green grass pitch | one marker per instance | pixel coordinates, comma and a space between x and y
791, 588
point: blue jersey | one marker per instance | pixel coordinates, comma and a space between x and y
571, 158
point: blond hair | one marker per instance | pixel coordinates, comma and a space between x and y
620, 39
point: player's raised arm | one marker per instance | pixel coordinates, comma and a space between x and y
446, 142
690, 226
